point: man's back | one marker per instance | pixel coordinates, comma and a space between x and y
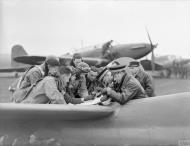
31, 77
45, 92
146, 82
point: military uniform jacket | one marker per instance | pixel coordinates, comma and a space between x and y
45, 91
31, 77
128, 89
146, 82
78, 88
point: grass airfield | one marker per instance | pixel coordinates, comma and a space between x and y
162, 87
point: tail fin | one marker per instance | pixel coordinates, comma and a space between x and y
17, 50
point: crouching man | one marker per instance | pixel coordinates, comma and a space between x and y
126, 87
46, 90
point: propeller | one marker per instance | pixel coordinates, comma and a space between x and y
152, 46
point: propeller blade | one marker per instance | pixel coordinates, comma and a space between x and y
149, 38
153, 60
152, 48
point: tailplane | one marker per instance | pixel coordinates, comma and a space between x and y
17, 50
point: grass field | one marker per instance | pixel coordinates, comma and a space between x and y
162, 87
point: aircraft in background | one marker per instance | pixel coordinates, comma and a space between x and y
135, 51
20, 59
9, 65
99, 54
172, 64
159, 121
169, 60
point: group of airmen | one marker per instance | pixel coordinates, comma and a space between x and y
53, 83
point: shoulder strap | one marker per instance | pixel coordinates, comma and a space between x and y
122, 81
23, 76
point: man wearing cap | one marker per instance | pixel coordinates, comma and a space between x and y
32, 76
48, 89
39, 71
105, 78
125, 87
77, 58
91, 80
77, 85
63, 81
102, 80
143, 77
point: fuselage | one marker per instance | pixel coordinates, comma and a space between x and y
162, 120
135, 51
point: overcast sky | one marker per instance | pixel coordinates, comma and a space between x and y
56, 27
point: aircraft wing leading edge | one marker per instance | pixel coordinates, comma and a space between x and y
36, 60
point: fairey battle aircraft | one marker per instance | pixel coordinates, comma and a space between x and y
157, 121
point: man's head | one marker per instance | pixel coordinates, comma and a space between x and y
52, 60
92, 75
83, 67
65, 72
77, 58
53, 64
134, 67
118, 71
108, 77
104, 76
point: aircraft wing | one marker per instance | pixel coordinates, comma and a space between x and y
28, 59
64, 112
18, 69
65, 60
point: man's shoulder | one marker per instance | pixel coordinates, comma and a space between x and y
130, 82
34, 69
49, 78
126, 79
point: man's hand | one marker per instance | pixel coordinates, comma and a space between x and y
106, 91
99, 89
103, 98
89, 97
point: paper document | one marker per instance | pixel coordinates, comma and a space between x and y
92, 102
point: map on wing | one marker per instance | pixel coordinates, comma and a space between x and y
92, 102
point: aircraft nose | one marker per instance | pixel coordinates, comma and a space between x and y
148, 48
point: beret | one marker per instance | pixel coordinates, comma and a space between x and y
117, 68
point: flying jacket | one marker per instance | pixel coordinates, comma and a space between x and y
146, 82
128, 89
32, 76
46, 91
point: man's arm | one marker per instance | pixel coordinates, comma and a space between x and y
128, 92
149, 87
72, 100
53, 93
